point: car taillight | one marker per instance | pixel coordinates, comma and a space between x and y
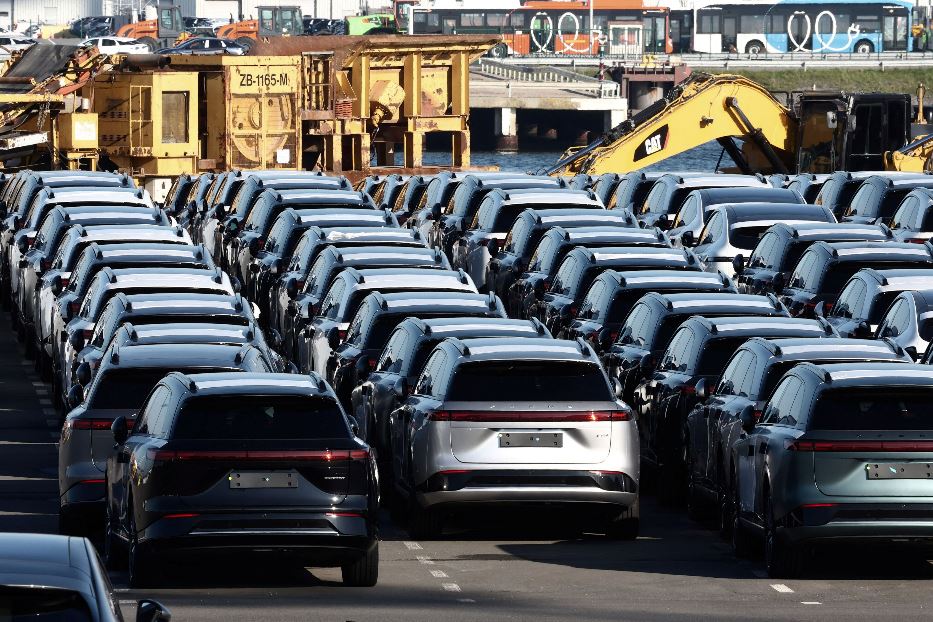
88, 424
65, 281
371, 363
73, 308
855, 446
44, 264
87, 332
342, 334
482, 242
688, 389
343, 515
194, 455
916, 240
518, 416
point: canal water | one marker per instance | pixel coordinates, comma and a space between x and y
701, 159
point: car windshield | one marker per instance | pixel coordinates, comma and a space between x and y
43, 605
126, 389
747, 237
540, 381
881, 408
260, 417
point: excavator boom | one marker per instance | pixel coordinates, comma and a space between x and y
703, 108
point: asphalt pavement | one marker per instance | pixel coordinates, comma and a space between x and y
489, 566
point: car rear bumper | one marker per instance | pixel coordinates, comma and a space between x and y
878, 522
545, 486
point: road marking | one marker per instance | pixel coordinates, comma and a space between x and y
127, 602
780, 587
38, 384
439, 574
427, 561
810, 602
465, 600
41, 392
412, 546
44, 401
24, 443
450, 587
49, 411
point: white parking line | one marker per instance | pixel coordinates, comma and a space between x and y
49, 411
465, 600
44, 401
450, 587
810, 602
780, 587
412, 546
439, 574
424, 559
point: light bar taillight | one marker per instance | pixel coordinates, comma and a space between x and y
195, 455
89, 424
520, 416
856, 446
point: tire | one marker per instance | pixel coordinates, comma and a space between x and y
114, 557
743, 545
864, 47
695, 506
424, 523
782, 558
364, 572
246, 43
754, 47
151, 43
141, 564
623, 529
500, 50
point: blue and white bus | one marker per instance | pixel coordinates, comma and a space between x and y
850, 26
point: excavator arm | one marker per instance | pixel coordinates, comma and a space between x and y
754, 128
916, 157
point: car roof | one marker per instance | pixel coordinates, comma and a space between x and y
737, 326
512, 348
314, 195
365, 234
635, 255
448, 302
362, 254
185, 332
324, 217
898, 278
175, 355
716, 180
45, 560
860, 251
137, 232
582, 235
665, 279
214, 304
132, 250
555, 196
557, 217
833, 231
477, 326
700, 302
842, 375
411, 278
806, 349
767, 213
250, 383
169, 276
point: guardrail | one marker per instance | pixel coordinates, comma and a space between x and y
503, 75
796, 60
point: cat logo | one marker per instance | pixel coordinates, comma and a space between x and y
654, 143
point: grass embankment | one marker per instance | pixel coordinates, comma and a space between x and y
850, 80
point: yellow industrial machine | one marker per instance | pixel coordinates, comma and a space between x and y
824, 132
272, 21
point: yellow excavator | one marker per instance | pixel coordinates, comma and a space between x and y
822, 132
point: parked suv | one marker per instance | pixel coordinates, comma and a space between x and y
669, 191
913, 220
749, 378
126, 376
878, 197
268, 459
908, 322
826, 267
837, 446
782, 245
698, 353
401, 361
867, 295
701, 204
516, 421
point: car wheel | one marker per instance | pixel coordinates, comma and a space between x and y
424, 523
743, 544
864, 47
782, 558
151, 43
141, 564
364, 572
754, 47
112, 545
694, 502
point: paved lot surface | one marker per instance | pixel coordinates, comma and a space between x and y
510, 567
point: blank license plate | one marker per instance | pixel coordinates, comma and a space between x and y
899, 470
531, 439
263, 479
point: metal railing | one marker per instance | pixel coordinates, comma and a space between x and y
503, 75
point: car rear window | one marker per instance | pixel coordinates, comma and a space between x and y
716, 353
43, 604
559, 381
260, 417
882, 408
746, 238
128, 388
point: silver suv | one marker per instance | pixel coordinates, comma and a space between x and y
516, 420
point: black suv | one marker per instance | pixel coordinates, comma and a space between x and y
613, 294
749, 378
825, 267
379, 314
402, 360
698, 352
559, 305
553, 248
782, 245
877, 198
868, 294
268, 460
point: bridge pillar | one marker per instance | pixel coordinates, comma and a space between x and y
612, 118
504, 129
643, 94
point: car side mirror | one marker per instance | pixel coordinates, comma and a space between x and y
777, 282
647, 365
912, 351
738, 263
75, 396
120, 430
22, 244
291, 288
820, 309
436, 213
152, 611
604, 339
749, 418
702, 390
355, 428
83, 373
862, 331
617, 388
493, 247
192, 208
539, 289
664, 222
687, 238
493, 264
76, 340
56, 286
401, 387
333, 338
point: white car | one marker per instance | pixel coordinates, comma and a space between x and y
12, 43
116, 45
